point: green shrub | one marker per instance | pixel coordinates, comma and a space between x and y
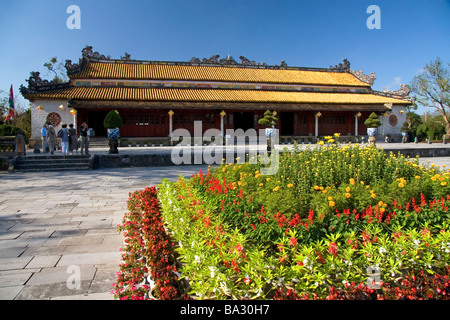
372, 121
113, 120
7, 130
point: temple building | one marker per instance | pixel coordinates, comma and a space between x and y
156, 97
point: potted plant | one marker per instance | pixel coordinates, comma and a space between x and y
372, 123
113, 123
269, 121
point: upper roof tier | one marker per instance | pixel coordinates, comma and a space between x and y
141, 71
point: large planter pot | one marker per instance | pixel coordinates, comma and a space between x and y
113, 133
372, 132
270, 134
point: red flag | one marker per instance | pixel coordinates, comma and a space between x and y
11, 111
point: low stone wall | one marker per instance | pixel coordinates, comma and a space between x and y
423, 153
126, 160
165, 159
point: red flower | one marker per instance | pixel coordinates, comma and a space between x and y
292, 241
332, 248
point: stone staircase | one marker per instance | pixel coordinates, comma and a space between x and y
53, 163
98, 142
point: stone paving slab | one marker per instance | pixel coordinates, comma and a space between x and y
60, 274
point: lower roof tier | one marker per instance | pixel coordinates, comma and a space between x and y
211, 95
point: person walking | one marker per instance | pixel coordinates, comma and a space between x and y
51, 138
44, 138
72, 138
63, 133
84, 143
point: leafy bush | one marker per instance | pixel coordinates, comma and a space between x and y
372, 121
7, 130
112, 120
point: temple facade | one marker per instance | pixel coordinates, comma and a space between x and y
156, 97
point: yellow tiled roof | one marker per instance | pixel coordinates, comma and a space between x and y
127, 71
210, 95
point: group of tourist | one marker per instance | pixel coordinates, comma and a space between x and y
68, 137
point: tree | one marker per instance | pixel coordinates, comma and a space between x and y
19, 106
3, 104
112, 120
413, 121
58, 69
269, 120
372, 121
432, 129
432, 89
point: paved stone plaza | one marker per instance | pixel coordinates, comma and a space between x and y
54, 225
53, 221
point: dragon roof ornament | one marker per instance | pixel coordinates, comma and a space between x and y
87, 55
216, 60
36, 84
402, 93
345, 67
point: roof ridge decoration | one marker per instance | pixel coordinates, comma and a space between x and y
345, 67
215, 60
88, 55
36, 84
369, 79
402, 93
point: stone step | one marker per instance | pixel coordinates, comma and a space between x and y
98, 142
53, 158
53, 163
51, 168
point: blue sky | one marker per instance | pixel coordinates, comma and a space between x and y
316, 33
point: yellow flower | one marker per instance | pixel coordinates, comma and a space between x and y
337, 135
352, 181
276, 189
330, 198
267, 179
257, 175
320, 143
316, 187
290, 185
328, 137
332, 203
443, 183
347, 195
330, 140
373, 195
347, 189
401, 185
261, 184
417, 177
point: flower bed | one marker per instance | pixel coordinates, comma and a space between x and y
317, 229
148, 268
